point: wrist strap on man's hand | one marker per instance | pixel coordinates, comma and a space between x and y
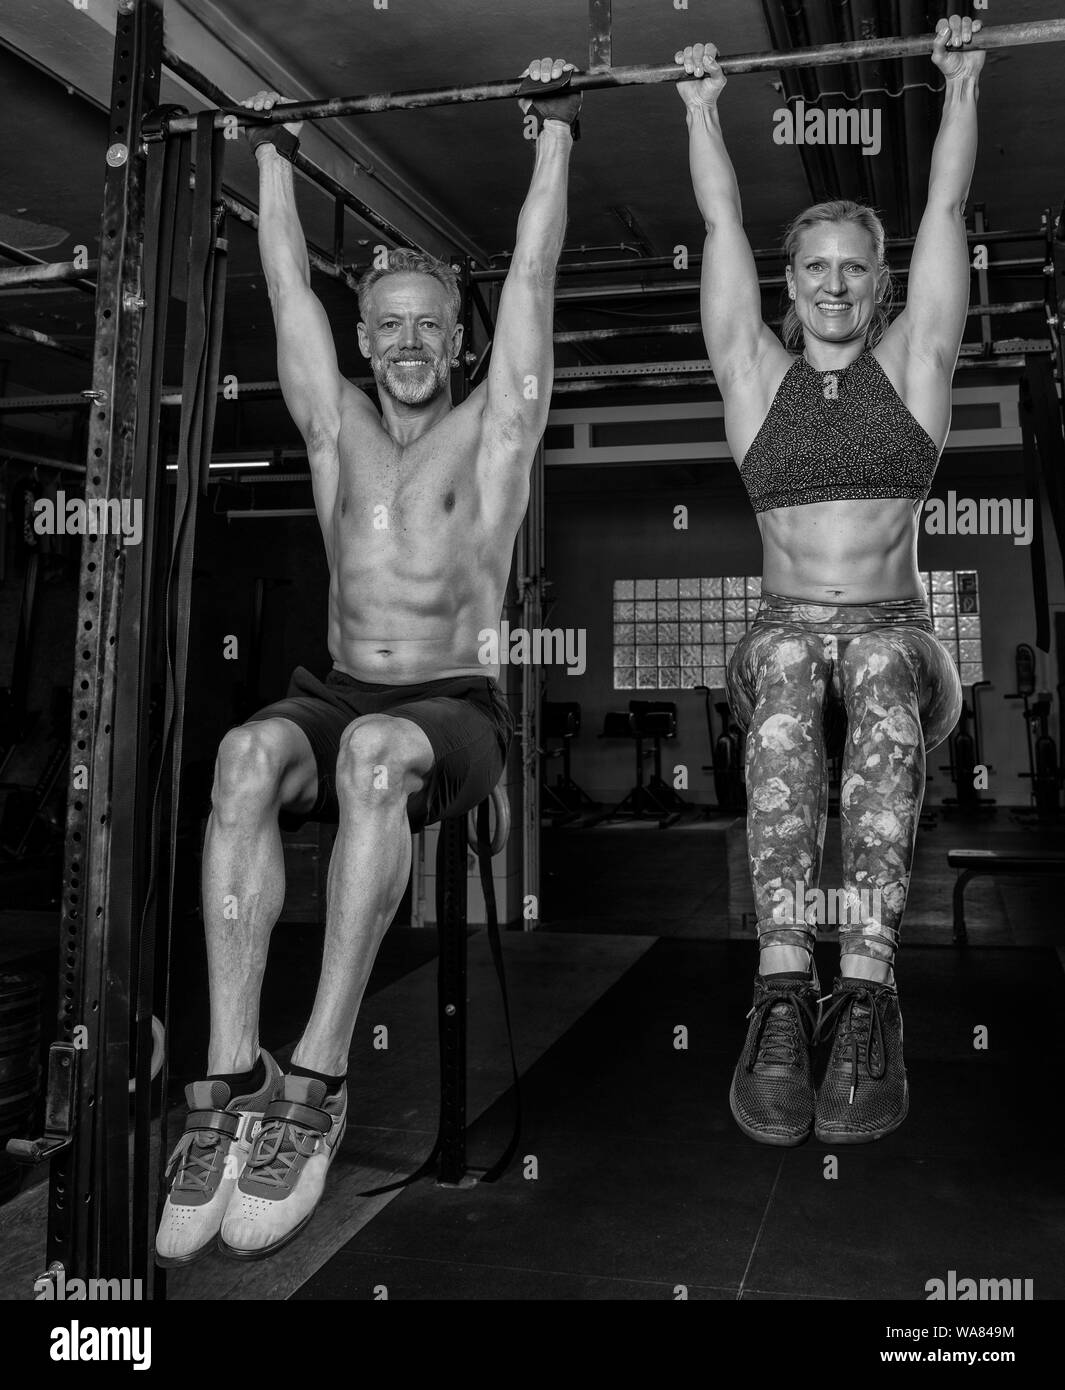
282, 140
553, 101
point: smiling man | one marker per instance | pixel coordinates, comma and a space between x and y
418, 503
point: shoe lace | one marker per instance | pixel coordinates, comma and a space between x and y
278, 1144
195, 1160
855, 1014
778, 1033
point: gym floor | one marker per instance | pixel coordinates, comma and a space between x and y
632, 1179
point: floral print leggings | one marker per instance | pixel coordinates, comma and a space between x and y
880, 665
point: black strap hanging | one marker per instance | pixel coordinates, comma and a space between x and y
484, 859
168, 165
205, 299
1044, 462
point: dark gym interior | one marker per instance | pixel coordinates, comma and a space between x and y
629, 981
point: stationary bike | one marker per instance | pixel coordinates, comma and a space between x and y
728, 750
1043, 770
963, 750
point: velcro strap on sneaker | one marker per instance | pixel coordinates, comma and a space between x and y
294, 1112
224, 1121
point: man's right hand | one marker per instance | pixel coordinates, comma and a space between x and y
700, 60
563, 106
265, 101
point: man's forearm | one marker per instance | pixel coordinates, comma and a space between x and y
542, 221
282, 245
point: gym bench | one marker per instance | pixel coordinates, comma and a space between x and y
993, 861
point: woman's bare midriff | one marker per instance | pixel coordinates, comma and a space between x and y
856, 551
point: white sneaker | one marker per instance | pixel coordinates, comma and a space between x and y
284, 1177
206, 1162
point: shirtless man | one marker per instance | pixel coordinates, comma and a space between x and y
419, 504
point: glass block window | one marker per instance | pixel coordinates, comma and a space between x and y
675, 634
954, 596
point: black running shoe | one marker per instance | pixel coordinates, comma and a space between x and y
772, 1095
864, 1094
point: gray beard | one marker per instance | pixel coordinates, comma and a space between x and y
407, 389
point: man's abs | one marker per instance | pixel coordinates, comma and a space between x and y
419, 553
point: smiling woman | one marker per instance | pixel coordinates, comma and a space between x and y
852, 238
838, 447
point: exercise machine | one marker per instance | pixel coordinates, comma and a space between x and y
1043, 771
963, 748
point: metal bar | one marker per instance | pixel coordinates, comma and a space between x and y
533, 587
253, 479
47, 273
88, 1209
1021, 263
26, 258
661, 330
601, 335
308, 169
622, 263
982, 284
338, 231
73, 400
249, 513
577, 335
1023, 306
667, 379
32, 335
168, 164
79, 400
245, 213
822, 55
452, 996
692, 365
41, 460
599, 22
583, 293
24, 404
1055, 294
212, 92
172, 396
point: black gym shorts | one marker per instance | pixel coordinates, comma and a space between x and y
465, 718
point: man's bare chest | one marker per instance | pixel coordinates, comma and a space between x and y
425, 494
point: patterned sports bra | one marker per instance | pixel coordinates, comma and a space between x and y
833, 436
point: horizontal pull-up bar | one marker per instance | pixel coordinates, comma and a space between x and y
326, 182
823, 55
641, 263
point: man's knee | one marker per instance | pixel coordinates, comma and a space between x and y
381, 758
250, 765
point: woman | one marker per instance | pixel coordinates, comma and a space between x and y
839, 446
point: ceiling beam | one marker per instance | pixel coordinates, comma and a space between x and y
76, 47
